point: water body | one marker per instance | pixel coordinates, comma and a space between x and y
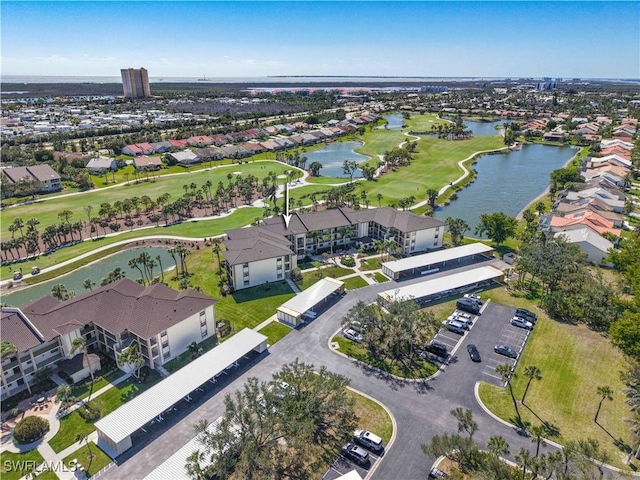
395, 121
506, 183
483, 128
96, 272
333, 156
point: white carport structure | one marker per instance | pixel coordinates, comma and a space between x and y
429, 262
173, 468
292, 311
443, 286
115, 430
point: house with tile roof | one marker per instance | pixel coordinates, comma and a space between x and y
270, 251
143, 162
162, 322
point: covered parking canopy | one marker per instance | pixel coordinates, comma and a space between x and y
444, 285
429, 262
291, 312
115, 430
173, 468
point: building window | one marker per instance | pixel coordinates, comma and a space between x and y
246, 283
279, 276
204, 332
203, 321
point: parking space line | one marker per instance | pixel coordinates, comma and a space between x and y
491, 375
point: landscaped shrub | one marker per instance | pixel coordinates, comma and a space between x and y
66, 377
30, 429
90, 413
348, 261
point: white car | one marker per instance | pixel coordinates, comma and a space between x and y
368, 440
522, 323
474, 297
460, 313
352, 335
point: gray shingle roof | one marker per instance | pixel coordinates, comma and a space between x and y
15, 330
125, 304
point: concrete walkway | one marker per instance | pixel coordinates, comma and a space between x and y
53, 460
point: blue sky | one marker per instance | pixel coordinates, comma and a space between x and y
252, 39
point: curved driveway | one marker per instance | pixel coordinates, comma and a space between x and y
421, 408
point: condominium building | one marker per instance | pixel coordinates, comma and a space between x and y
160, 321
269, 252
135, 83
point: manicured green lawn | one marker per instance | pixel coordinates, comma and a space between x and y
74, 425
370, 263
199, 229
372, 417
309, 278
250, 307
326, 180
11, 470
435, 164
93, 462
377, 142
423, 122
381, 278
275, 331
81, 390
71, 427
574, 361
47, 211
185, 358
354, 282
421, 368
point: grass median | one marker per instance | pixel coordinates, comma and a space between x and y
275, 331
420, 369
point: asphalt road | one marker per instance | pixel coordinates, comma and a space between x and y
421, 409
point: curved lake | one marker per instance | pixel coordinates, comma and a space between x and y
394, 121
506, 183
96, 272
333, 156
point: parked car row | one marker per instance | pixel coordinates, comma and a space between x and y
363, 443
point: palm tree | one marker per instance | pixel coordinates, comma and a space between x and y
88, 284
605, 394
537, 436
216, 249
132, 356
523, 458
8, 350
498, 446
80, 343
379, 198
531, 372
507, 373
159, 259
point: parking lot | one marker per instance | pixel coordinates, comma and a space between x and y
492, 327
343, 465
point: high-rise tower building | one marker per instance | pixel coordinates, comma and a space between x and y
135, 83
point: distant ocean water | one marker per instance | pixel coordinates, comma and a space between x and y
248, 80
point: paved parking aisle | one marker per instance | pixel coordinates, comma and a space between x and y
343, 465
508, 335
